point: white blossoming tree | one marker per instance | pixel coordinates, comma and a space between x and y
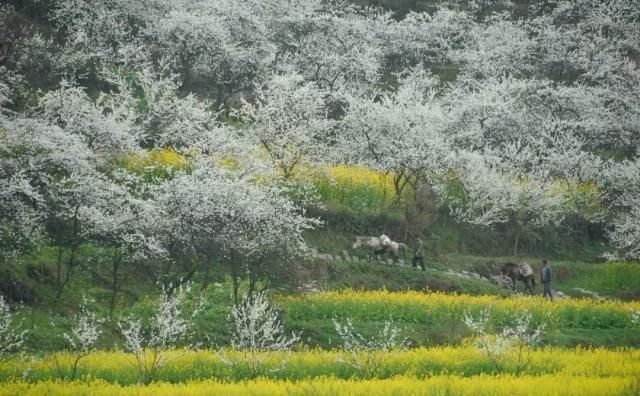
11, 338
82, 338
512, 345
288, 122
366, 354
257, 334
212, 215
149, 339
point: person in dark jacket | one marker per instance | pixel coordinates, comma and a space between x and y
418, 254
546, 279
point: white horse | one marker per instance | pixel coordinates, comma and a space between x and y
372, 243
395, 248
379, 246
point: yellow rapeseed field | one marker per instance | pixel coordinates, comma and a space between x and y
356, 187
436, 385
423, 307
441, 370
166, 157
185, 365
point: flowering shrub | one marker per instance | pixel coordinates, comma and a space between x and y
363, 353
256, 331
83, 337
10, 338
148, 342
513, 342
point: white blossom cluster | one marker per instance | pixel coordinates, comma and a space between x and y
367, 353
389, 338
166, 327
257, 326
11, 338
150, 340
513, 342
257, 334
510, 121
85, 331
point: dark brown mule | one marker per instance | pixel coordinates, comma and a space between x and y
516, 273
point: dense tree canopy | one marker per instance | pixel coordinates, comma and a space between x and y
531, 111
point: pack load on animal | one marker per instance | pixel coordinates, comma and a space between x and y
519, 272
525, 269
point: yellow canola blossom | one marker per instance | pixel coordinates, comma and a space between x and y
156, 158
435, 385
362, 176
164, 157
583, 196
356, 187
459, 301
184, 365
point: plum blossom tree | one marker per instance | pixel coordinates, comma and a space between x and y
212, 214
10, 337
621, 194
256, 332
149, 341
221, 44
401, 132
498, 47
366, 354
83, 337
69, 204
106, 125
35, 156
169, 119
513, 343
422, 38
336, 46
93, 35
625, 233
288, 121
20, 216
120, 224
494, 196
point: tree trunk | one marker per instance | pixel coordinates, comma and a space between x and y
63, 280
206, 272
59, 271
234, 278
115, 285
516, 240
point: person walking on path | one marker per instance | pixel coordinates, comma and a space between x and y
546, 279
418, 254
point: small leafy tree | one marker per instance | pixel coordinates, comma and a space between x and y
148, 342
257, 333
367, 354
512, 344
